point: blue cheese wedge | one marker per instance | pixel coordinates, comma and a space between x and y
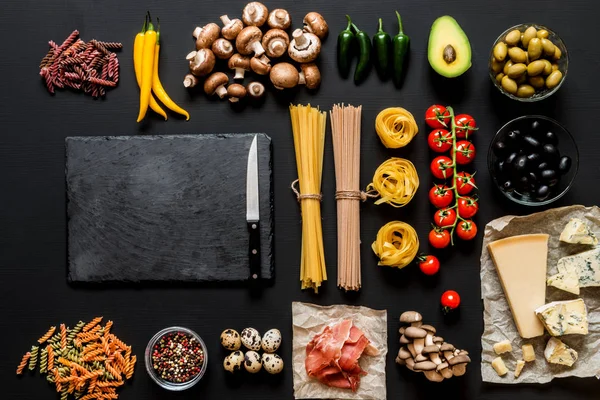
567, 278
586, 265
559, 353
578, 232
564, 317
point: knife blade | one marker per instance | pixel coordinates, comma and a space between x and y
252, 210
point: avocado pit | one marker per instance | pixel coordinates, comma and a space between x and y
449, 54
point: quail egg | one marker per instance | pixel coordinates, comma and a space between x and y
251, 339
252, 362
271, 340
272, 363
230, 339
234, 361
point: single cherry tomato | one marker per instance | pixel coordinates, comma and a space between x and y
441, 167
444, 217
450, 301
439, 238
429, 265
440, 140
465, 126
464, 182
440, 196
467, 207
437, 116
465, 152
466, 230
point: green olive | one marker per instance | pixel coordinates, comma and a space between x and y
517, 54
500, 51
543, 34
536, 67
554, 67
537, 82
521, 79
547, 67
534, 49
525, 91
529, 34
516, 70
509, 85
513, 37
496, 66
553, 79
548, 47
499, 77
509, 63
557, 53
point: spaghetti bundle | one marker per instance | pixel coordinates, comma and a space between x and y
396, 180
345, 130
308, 126
396, 245
396, 127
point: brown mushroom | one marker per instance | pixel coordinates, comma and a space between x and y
413, 332
433, 352
255, 14
248, 41
316, 24
255, 90
310, 76
459, 364
235, 91
206, 35
444, 370
190, 81
284, 76
304, 47
433, 376
411, 349
216, 84
279, 18
201, 62
438, 340
222, 48
420, 358
240, 64
428, 328
400, 361
410, 364
275, 42
401, 330
425, 366
404, 340
231, 27
260, 65
447, 350
410, 316
403, 353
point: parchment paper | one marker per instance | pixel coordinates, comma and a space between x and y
498, 320
309, 320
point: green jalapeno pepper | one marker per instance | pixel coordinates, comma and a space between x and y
345, 49
382, 43
401, 44
364, 55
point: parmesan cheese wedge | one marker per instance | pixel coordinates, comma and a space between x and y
521, 265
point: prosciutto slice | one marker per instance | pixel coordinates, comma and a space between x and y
332, 355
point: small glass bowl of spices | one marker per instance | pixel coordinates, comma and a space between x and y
176, 358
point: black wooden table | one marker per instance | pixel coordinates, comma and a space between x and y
33, 289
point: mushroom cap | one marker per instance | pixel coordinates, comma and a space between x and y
403, 353
275, 42
438, 339
410, 316
236, 91
460, 359
214, 81
400, 361
442, 366
255, 89
433, 376
463, 353
244, 40
239, 61
222, 48
401, 330
190, 81
420, 358
404, 340
312, 75
231, 28
413, 332
430, 349
279, 18
446, 347
201, 62
284, 75
260, 65
425, 366
306, 52
428, 328
207, 35
410, 363
255, 14
316, 24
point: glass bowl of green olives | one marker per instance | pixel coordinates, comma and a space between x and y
528, 62
533, 160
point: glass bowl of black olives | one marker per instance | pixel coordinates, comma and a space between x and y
533, 160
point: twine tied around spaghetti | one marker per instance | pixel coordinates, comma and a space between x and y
300, 196
355, 195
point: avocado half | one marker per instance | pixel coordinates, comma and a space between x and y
449, 50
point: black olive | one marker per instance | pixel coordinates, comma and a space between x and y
550, 153
543, 166
552, 182
542, 192
535, 126
532, 177
548, 175
531, 142
551, 138
501, 167
508, 186
511, 157
564, 165
520, 164
513, 136
500, 149
523, 183
533, 159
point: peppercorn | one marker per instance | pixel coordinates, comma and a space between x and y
177, 357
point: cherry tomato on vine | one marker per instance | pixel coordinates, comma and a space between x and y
465, 152
444, 217
464, 182
429, 265
440, 140
441, 167
465, 126
450, 301
437, 116
440, 196
466, 230
439, 238
467, 207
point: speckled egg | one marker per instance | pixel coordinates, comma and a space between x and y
271, 340
252, 362
234, 361
251, 339
230, 339
272, 363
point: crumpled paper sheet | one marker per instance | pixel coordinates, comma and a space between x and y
309, 320
498, 320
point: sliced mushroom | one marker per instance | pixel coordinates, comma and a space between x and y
410, 316
255, 14
222, 48
260, 65
444, 369
248, 41
275, 42
240, 64
235, 91
304, 47
255, 90
206, 35
201, 62
284, 76
279, 18
459, 364
216, 84
189, 81
433, 376
231, 27
310, 75
315, 23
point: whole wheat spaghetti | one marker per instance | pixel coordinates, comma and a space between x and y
345, 131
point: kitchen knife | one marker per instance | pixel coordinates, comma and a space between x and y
252, 210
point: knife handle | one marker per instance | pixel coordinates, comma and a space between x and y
254, 250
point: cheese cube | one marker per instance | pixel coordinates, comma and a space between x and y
577, 231
586, 265
499, 366
528, 352
519, 368
559, 353
502, 347
564, 317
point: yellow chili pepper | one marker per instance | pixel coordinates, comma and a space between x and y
157, 87
138, 47
147, 67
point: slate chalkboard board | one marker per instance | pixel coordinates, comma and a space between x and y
164, 208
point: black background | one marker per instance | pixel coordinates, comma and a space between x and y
34, 293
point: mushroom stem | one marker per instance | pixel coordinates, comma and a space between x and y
221, 91
411, 348
197, 32
301, 39
419, 344
239, 73
225, 19
258, 49
302, 78
190, 56
276, 46
429, 340
190, 81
